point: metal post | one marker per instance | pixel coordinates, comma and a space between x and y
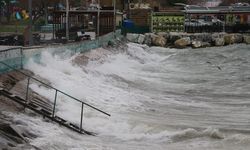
224, 23
21, 52
98, 20
30, 24
53, 37
27, 90
67, 20
81, 117
114, 5
53, 114
128, 14
151, 16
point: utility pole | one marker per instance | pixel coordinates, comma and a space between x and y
114, 5
98, 19
30, 24
67, 20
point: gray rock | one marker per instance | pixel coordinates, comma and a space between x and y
141, 38
159, 40
207, 37
206, 44
148, 38
233, 38
200, 44
238, 38
183, 42
229, 39
246, 39
219, 41
132, 37
164, 34
173, 36
217, 35
196, 44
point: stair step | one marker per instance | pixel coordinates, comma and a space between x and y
46, 105
19, 99
40, 108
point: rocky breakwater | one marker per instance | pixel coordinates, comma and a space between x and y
183, 40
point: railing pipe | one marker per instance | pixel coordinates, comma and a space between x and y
54, 107
81, 118
85, 103
9, 49
98, 20
21, 52
27, 90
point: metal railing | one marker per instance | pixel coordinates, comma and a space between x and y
56, 95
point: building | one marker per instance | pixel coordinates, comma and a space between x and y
226, 18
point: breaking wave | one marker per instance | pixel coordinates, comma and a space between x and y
157, 95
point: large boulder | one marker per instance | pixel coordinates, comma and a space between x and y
229, 39
219, 42
217, 35
206, 44
141, 39
132, 37
238, 38
246, 39
196, 44
148, 38
159, 40
200, 44
164, 34
183, 42
206, 37
173, 36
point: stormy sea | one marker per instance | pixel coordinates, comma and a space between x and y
158, 98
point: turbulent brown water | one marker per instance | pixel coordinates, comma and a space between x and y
159, 98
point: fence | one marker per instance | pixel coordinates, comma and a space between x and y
197, 23
196, 27
13, 57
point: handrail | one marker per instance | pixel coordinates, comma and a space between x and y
57, 90
12, 48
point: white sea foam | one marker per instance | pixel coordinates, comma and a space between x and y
92, 87
151, 99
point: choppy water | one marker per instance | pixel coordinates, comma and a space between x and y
159, 98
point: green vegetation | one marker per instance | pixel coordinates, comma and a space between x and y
168, 22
